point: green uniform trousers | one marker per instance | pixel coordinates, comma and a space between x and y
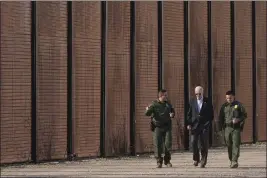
162, 140
233, 141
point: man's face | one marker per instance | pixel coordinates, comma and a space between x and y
198, 95
163, 97
230, 98
199, 92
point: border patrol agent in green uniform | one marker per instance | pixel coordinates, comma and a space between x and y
232, 118
161, 112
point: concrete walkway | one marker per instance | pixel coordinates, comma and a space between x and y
252, 163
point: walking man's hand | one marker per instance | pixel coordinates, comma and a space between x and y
235, 120
148, 107
189, 127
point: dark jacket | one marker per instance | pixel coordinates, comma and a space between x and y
200, 120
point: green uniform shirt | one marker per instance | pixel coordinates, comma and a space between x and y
160, 112
230, 111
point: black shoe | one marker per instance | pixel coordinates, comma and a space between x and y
202, 164
159, 162
234, 164
159, 165
168, 164
195, 163
167, 158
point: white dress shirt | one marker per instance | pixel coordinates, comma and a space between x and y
199, 104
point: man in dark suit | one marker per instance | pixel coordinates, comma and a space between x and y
199, 119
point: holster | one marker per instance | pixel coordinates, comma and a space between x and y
152, 126
242, 125
235, 126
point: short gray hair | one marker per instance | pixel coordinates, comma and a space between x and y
199, 89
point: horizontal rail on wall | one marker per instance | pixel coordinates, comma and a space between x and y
186, 83
254, 75
132, 78
33, 82
69, 85
103, 77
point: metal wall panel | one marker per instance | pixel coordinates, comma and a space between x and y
86, 77
15, 77
243, 67
146, 70
118, 78
173, 65
261, 59
51, 80
221, 58
198, 46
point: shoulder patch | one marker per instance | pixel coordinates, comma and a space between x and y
237, 104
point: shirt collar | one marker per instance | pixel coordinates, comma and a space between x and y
201, 100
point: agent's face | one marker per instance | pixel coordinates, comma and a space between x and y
230, 98
163, 97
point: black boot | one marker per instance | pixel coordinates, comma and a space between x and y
167, 159
234, 164
159, 162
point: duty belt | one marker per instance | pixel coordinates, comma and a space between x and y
232, 125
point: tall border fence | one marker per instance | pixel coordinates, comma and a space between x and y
75, 77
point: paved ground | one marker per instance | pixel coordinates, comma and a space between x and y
252, 164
